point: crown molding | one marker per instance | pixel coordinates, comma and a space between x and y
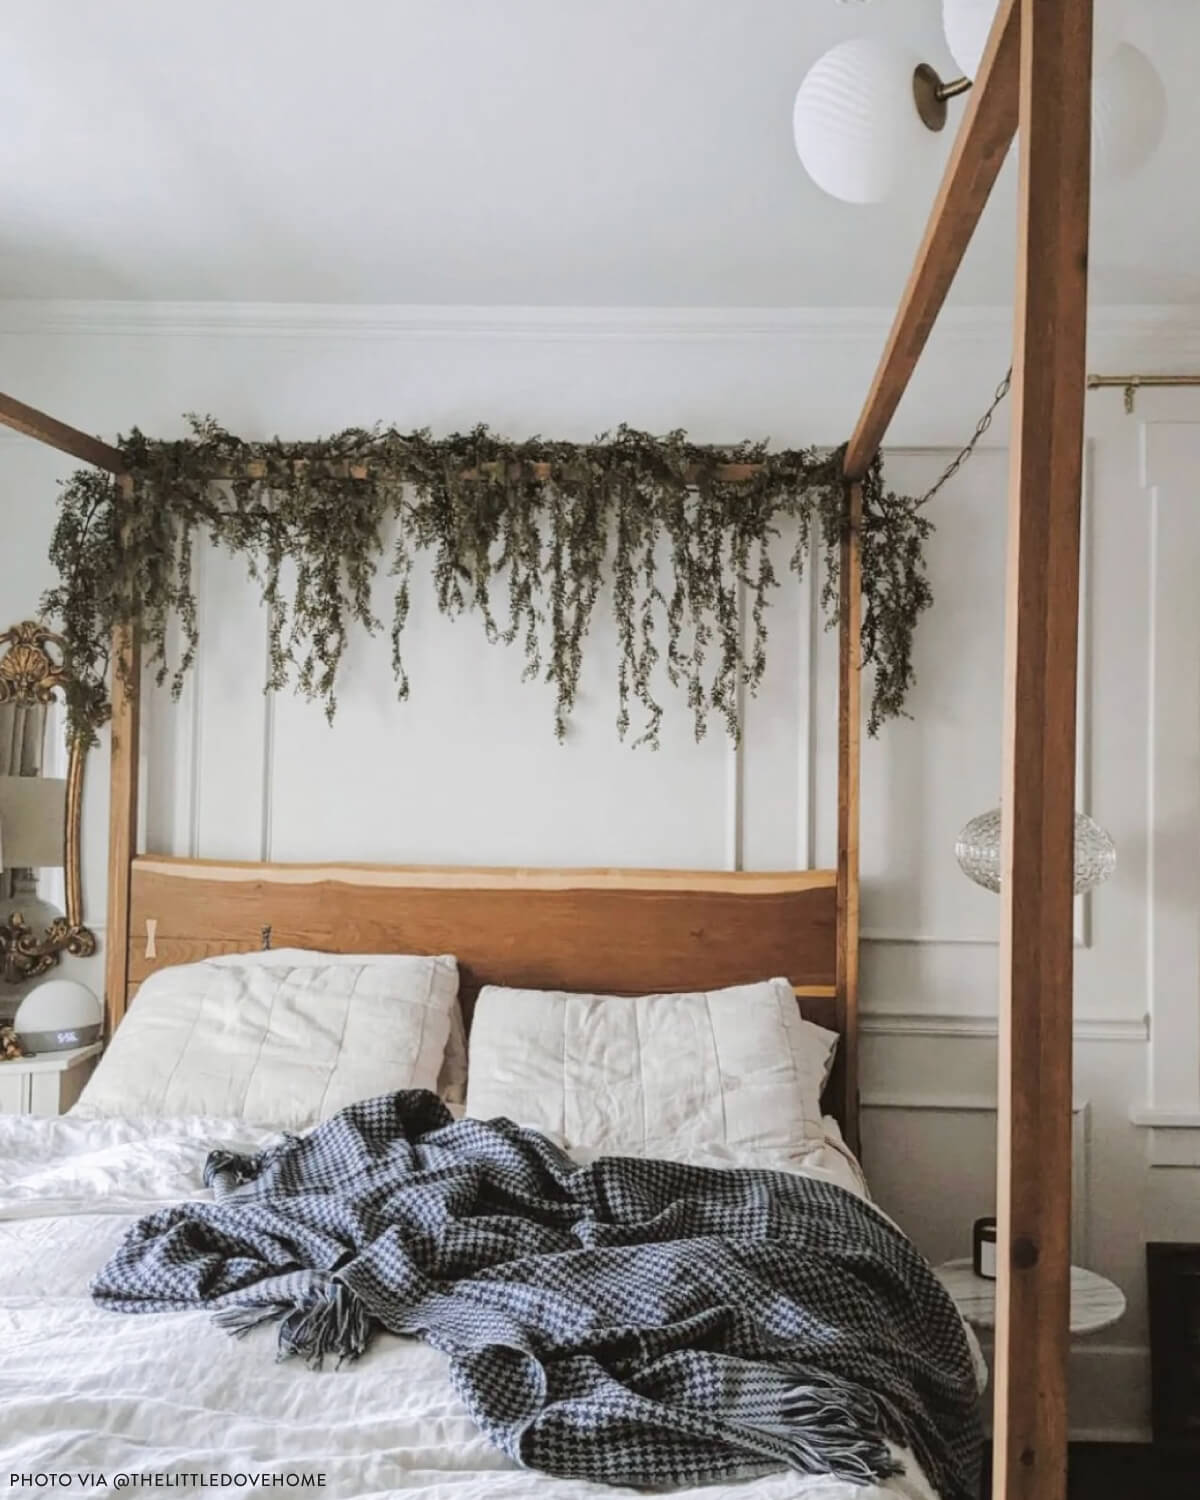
396, 321
1171, 332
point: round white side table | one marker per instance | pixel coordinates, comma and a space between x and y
1096, 1302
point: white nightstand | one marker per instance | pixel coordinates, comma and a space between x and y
1096, 1302
47, 1083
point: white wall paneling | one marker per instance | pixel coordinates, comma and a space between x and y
1171, 463
735, 763
967, 561
945, 1223
172, 739
776, 768
469, 770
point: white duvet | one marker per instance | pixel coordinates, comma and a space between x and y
88, 1398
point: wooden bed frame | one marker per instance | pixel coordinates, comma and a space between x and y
684, 929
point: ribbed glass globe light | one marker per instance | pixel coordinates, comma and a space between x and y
977, 850
855, 122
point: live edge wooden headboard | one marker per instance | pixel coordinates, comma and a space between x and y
600, 931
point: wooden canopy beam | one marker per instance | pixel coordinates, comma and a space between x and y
46, 429
540, 469
1037, 848
979, 150
36, 424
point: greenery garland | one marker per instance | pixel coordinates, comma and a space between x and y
610, 512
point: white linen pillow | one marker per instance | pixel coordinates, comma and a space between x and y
284, 1038
653, 1075
452, 1078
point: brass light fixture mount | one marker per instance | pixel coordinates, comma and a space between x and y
930, 94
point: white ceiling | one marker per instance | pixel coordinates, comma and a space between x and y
580, 152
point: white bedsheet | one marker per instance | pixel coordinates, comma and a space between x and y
84, 1391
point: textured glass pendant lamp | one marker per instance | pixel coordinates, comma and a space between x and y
977, 850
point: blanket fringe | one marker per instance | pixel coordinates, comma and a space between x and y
333, 1321
839, 1429
239, 1320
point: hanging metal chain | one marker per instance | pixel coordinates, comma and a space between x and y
980, 428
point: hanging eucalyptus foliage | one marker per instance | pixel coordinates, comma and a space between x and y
529, 535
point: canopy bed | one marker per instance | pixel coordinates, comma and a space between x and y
547, 928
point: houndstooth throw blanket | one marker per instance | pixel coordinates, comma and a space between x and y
635, 1322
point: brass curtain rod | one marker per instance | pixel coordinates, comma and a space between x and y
1130, 383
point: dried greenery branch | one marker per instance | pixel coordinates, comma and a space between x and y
681, 553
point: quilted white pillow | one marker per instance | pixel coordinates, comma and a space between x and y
653, 1075
282, 1038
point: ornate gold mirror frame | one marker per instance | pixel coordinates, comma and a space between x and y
32, 670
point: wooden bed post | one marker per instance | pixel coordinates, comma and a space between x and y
849, 734
122, 808
1042, 607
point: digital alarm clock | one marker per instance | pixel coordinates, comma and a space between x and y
58, 1016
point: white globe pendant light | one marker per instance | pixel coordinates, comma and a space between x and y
967, 23
855, 123
1129, 112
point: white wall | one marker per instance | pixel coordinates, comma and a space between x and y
470, 772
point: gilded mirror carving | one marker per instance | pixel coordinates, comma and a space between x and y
41, 797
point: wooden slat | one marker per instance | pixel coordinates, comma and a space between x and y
257, 469
36, 424
491, 877
604, 931
122, 813
980, 147
849, 735
1034, 1178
